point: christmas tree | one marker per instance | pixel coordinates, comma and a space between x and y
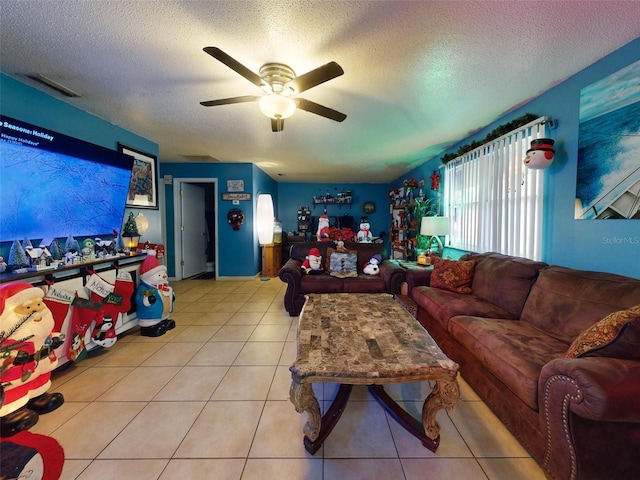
17, 255
130, 228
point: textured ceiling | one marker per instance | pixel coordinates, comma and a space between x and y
419, 75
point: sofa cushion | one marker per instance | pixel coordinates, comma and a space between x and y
342, 264
363, 283
320, 284
455, 276
513, 351
565, 302
443, 304
504, 280
617, 335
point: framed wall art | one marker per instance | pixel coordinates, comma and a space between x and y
143, 188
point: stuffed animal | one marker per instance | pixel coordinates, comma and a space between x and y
312, 264
364, 235
324, 231
372, 266
154, 299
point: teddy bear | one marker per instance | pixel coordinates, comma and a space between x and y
372, 266
312, 264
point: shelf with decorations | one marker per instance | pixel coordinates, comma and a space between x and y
408, 204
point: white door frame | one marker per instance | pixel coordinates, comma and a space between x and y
177, 221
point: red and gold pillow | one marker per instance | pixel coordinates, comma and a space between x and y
455, 276
617, 335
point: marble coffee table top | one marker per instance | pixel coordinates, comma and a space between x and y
365, 339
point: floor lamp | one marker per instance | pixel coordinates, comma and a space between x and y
435, 227
264, 220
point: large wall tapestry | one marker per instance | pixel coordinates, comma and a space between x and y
608, 184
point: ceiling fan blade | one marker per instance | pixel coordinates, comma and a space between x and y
229, 101
315, 77
277, 124
235, 65
318, 109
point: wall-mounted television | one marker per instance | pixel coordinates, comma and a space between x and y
56, 186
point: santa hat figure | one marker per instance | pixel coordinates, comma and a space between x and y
540, 154
151, 270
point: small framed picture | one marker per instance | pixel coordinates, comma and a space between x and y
143, 187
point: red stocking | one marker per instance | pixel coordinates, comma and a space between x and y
84, 313
124, 286
59, 302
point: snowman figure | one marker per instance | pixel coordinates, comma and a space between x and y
364, 235
372, 266
154, 299
105, 333
26, 326
540, 155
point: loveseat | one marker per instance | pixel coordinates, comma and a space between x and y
530, 339
300, 283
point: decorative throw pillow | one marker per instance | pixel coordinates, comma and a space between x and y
617, 335
342, 264
455, 276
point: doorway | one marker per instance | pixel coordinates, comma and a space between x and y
195, 220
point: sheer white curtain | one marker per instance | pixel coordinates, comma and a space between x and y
493, 201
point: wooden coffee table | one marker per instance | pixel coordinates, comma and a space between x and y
367, 339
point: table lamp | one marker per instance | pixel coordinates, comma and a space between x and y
435, 227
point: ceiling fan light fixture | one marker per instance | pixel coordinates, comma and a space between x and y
277, 106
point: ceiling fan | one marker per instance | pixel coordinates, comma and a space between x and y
280, 85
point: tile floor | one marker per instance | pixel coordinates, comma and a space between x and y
209, 400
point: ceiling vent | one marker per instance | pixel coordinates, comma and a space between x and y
41, 79
200, 158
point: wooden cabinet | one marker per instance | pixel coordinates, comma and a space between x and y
271, 259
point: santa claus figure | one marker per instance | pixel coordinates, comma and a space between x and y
154, 299
324, 232
312, 264
27, 353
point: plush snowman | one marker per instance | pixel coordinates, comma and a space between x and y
28, 347
540, 155
154, 299
364, 235
372, 267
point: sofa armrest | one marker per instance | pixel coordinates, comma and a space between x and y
291, 273
599, 389
393, 275
418, 277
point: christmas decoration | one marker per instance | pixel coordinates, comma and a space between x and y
154, 299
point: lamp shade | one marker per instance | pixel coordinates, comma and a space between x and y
434, 226
264, 219
142, 223
277, 106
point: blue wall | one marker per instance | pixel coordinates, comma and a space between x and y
604, 245
238, 251
293, 195
30, 105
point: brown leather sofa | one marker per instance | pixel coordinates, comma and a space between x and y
299, 283
578, 417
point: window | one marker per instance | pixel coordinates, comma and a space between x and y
493, 201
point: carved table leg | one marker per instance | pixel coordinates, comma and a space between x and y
445, 394
303, 398
317, 428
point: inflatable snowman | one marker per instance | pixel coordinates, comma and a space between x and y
154, 299
27, 346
